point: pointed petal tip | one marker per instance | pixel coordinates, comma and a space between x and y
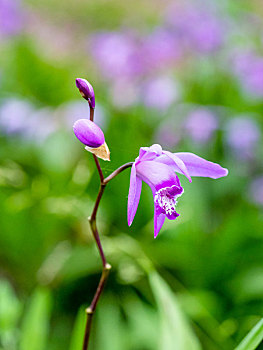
77, 80
223, 172
129, 219
198, 166
188, 177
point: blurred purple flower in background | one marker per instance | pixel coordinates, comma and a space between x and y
128, 56
11, 17
160, 92
197, 26
19, 117
242, 135
256, 191
168, 134
116, 54
71, 111
249, 69
124, 93
157, 168
40, 125
14, 115
200, 124
160, 48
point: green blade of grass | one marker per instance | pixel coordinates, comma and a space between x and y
35, 325
253, 339
78, 330
175, 330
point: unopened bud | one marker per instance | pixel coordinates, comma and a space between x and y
91, 135
86, 91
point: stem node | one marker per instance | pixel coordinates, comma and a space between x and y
89, 311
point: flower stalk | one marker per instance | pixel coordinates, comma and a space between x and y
106, 266
93, 225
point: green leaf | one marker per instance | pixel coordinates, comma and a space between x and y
140, 316
9, 305
110, 331
253, 339
175, 331
78, 330
35, 323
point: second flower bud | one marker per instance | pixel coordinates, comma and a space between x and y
91, 135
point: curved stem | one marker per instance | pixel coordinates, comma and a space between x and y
97, 239
99, 168
96, 206
91, 309
117, 172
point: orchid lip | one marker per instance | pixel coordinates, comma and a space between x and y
166, 199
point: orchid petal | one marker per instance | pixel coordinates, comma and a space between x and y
175, 162
150, 153
198, 166
158, 221
157, 175
156, 148
134, 194
159, 217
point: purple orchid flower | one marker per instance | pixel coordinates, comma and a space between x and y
157, 168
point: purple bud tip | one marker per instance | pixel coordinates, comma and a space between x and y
86, 90
88, 133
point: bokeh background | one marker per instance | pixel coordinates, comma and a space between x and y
185, 74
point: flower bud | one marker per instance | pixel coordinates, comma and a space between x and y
92, 137
86, 91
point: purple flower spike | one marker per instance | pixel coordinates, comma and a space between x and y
92, 137
86, 91
157, 168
